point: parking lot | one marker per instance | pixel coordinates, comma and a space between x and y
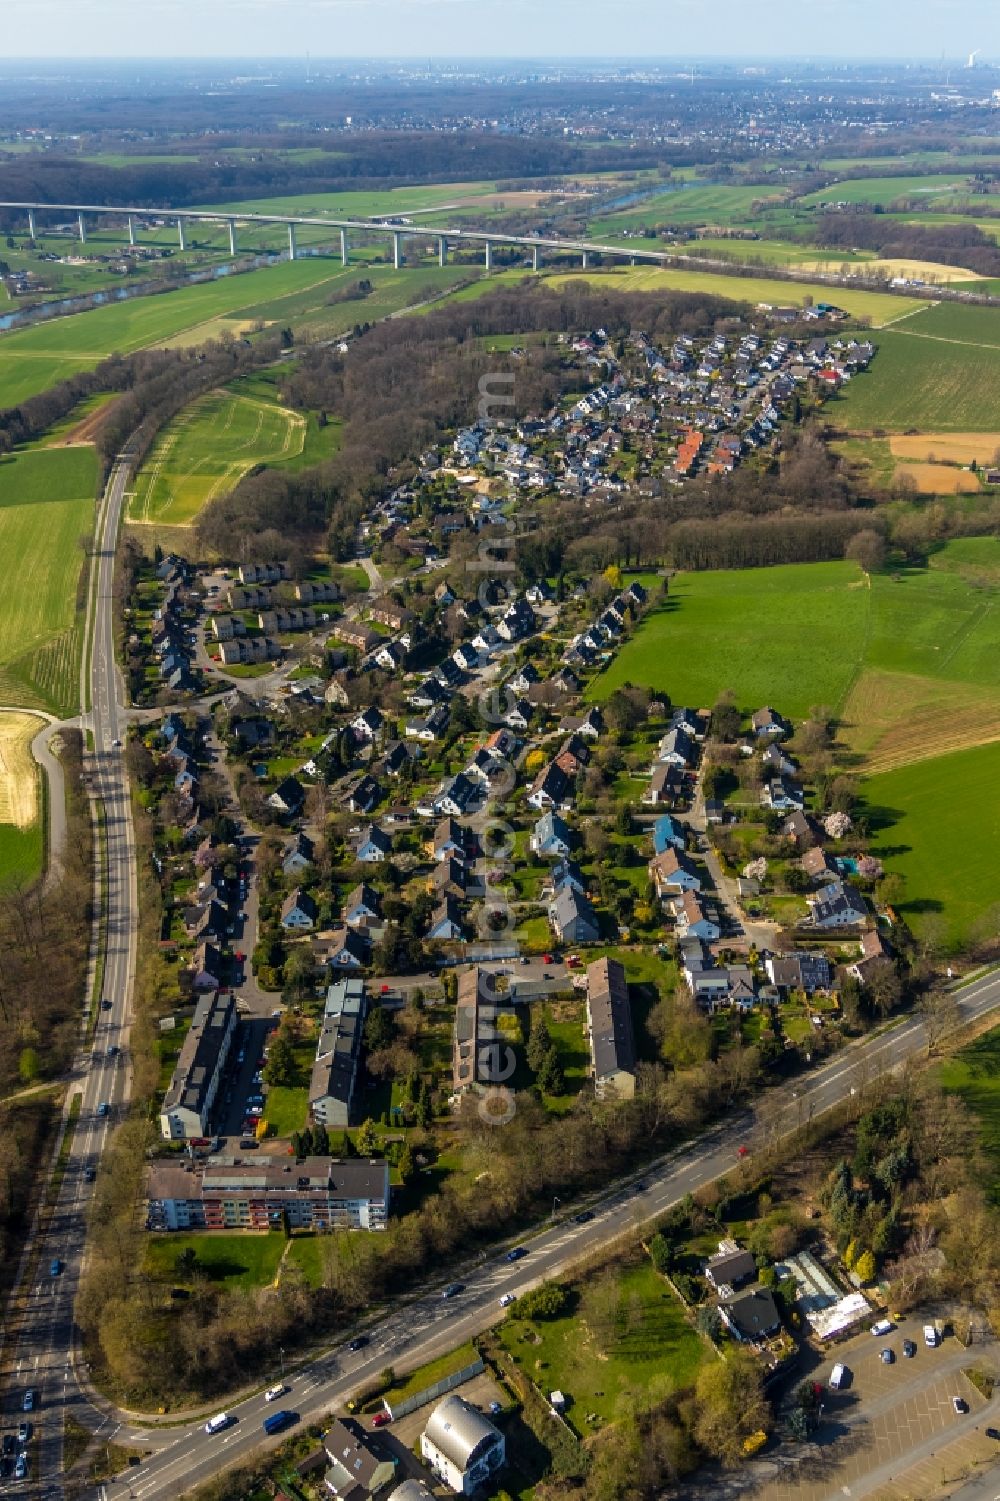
892, 1431
244, 1093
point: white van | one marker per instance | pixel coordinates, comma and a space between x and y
838, 1376
884, 1326
216, 1424
930, 1336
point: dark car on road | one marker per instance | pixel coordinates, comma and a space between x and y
358, 1343
453, 1289
584, 1217
517, 1253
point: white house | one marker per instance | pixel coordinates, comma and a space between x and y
461, 1446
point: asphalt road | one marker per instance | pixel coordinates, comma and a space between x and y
40, 1341
187, 1456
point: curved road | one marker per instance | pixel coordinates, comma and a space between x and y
185, 1456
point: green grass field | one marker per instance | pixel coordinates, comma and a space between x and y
974, 1073
21, 854
238, 1259
937, 823
650, 1340
207, 449
886, 190
936, 371
693, 204
46, 506
880, 307
787, 635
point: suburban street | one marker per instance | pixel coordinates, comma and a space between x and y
185, 1456
40, 1331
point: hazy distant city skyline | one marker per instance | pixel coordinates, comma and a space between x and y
331, 29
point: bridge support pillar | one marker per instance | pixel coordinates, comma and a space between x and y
397, 250
344, 256
292, 247
181, 235
586, 260
232, 236
442, 251
31, 224
536, 258
489, 255
131, 230
83, 229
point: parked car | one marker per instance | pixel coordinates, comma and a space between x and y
887, 1356
960, 1405
28, 1400
55, 1267
884, 1326
381, 1419
249, 1146
24, 1433
9, 1443
909, 1349
21, 1467
931, 1337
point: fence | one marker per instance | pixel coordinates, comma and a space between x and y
439, 1389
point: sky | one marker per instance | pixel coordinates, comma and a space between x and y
500, 28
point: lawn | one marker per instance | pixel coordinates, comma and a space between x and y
789, 635
937, 823
207, 449
648, 1342
46, 507
974, 1073
241, 1259
879, 307
936, 372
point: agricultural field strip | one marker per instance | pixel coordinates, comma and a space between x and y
18, 772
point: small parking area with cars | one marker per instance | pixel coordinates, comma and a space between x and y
244, 1093
892, 1430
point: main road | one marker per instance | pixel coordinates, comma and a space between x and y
416, 1331
39, 1336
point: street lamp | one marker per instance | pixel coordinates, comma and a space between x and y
281, 1357
555, 1200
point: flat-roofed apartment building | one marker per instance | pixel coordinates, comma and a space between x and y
609, 1029
313, 1193
338, 1052
187, 1104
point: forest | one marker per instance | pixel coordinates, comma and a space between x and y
865, 227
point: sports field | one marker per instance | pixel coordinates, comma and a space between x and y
46, 507
880, 307
206, 449
20, 809
938, 823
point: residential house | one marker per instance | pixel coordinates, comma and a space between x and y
391, 656
349, 950
666, 785
676, 748
450, 878
338, 1053
799, 971
431, 727
205, 968
818, 865
691, 919
775, 761
782, 796
388, 613
364, 796
374, 845
474, 1060
837, 906
673, 872
609, 1030
325, 593
563, 873
550, 789
287, 797
752, 1316
298, 911
398, 758
353, 633
462, 1447
768, 722
368, 723
667, 833
445, 921
730, 1268
457, 795
360, 1465
802, 829
362, 906
572, 917
449, 839
550, 836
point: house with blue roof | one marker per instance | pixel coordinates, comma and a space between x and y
667, 833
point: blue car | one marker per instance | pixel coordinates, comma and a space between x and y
55, 1267
517, 1253
102, 1108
